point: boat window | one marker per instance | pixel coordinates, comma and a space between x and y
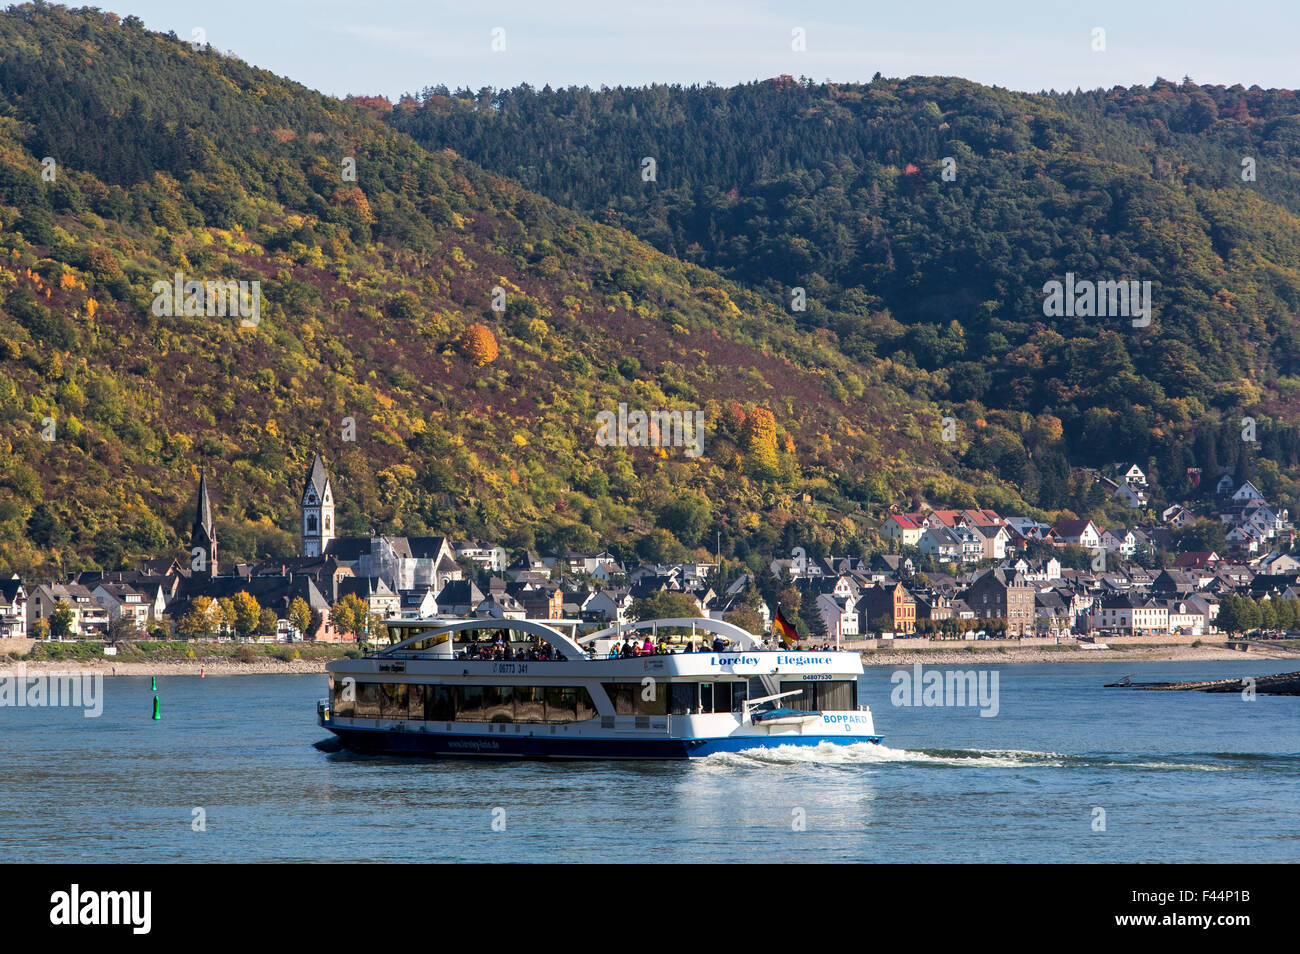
706, 697
837, 695
345, 697
367, 700
439, 704
530, 704
499, 703
840, 695
561, 704
469, 704
392, 700
415, 701
629, 698
683, 698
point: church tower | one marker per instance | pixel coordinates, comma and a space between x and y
203, 536
317, 511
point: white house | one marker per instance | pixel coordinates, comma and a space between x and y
903, 529
941, 544
993, 540
487, 555
1130, 496
1083, 533
1248, 493
1132, 615
1186, 618
1131, 474
13, 609
1119, 541
839, 615
419, 603
123, 601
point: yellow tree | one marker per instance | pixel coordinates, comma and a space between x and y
204, 618
759, 439
247, 613
300, 615
351, 614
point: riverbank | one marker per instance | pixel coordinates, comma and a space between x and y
269, 665
191, 667
1070, 654
174, 658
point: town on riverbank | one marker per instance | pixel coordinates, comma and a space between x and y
955, 583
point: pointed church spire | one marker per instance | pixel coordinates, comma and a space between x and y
203, 537
318, 479
203, 517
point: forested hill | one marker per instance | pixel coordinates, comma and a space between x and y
841, 190
129, 157
376, 305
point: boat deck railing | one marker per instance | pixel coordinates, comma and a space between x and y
462, 655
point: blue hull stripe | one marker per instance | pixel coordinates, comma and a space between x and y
545, 747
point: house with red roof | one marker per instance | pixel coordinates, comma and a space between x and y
903, 528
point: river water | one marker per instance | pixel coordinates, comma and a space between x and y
1066, 771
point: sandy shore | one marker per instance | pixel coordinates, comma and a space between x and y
190, 667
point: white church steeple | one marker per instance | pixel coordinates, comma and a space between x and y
317, 511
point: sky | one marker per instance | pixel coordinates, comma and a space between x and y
343, 47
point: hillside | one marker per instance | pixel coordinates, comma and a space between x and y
172, 160
841, 190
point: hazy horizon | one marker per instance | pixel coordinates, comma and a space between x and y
341, 48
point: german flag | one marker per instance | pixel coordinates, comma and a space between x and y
783, 629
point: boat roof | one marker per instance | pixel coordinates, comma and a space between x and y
565, 643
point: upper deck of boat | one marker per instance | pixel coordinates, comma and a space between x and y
534, 647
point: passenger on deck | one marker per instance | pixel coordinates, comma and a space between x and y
648, 649
718, 645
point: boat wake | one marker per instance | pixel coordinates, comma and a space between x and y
869, 754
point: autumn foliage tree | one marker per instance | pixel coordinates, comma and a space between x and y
247, 614
478, 345
758, 436
204, 618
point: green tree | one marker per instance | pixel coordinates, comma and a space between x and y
688, 516
300, 616
747, 619
664, 605
267, 623
61, 620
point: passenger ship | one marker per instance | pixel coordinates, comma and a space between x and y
548, 693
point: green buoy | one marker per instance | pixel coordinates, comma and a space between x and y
157, 710
155, 683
